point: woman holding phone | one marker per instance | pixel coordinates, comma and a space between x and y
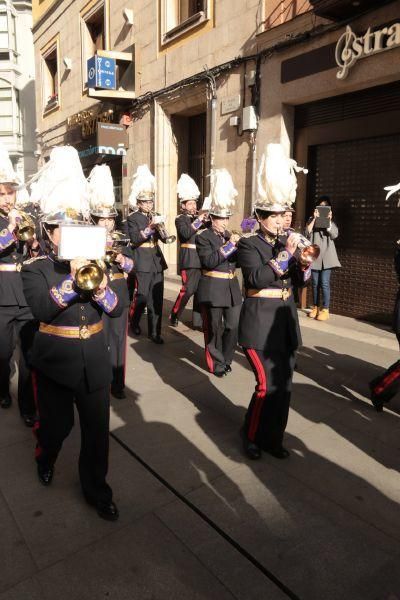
323, 231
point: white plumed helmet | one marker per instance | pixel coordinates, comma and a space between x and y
101, 192
187, 188
222, 193
143, 186
276, 180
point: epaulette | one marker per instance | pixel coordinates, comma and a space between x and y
34, 259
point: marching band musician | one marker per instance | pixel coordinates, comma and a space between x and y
269, 329
386, 386
149, 260
15, 315
218, 292
104, 213
187, 225
70, 356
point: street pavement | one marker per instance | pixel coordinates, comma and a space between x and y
199, 520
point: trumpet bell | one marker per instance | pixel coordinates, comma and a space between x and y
89, 277
170, 239
25, 232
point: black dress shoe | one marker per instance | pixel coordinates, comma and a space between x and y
220, 373
108, 511
251, 449
119, 394
157, 339
136, 330
280, 453
29, 420
228, 369
173, 320
45, 474
5, 401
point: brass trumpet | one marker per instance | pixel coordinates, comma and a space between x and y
89, 276
116, 243
162, 231
26, 227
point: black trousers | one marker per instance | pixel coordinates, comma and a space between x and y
268, 412
17, 325
190, 282
55, 404
220, 327
115, 330
388, 384
149, 291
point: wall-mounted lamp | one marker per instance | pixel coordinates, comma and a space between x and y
128, 16
67, 63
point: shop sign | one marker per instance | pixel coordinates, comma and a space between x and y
88, 119
111, 139
350, 47
101, 73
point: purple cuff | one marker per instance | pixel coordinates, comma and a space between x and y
227, 249
63, 293
6, 239
197, 223
127, 265
307, 274
146, 233
280, 264
108, 300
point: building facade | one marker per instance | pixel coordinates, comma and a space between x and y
208, 83
17, 85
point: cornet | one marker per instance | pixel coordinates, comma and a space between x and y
161, 229
306, 252
25, 227
114, 247
89, 276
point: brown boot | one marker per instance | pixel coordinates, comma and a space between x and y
323, 314
313, 312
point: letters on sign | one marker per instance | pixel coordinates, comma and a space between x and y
351, 47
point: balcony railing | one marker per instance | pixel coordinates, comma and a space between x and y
337, 10
278, 12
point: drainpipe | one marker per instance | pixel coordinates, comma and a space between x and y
212, 89
253, 144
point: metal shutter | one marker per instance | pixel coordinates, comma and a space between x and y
354, 174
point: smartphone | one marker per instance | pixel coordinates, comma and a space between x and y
322, 222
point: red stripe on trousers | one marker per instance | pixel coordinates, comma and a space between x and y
182, 292
206, 331
132, 307
386, 381
38, 450
260, 391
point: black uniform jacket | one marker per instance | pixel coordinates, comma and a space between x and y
188, 257
396, 315
147, 259
66, 360
269, 324
118, 281
216, 291
11, 292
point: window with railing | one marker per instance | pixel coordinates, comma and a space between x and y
277, 12
50, 78
179, 16
93, 33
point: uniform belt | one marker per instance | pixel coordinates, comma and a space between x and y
191, 246
11, 267
114, 276
218, 274
281, 294
84, 332
147, 245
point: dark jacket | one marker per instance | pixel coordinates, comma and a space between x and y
66, 360
11, 292
396, 314
269, 324
147, 256
215, 291
188, 257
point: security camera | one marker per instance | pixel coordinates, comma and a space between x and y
128, 16
67, 63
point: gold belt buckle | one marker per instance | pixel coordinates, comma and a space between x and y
18, 267
285, 294
84, 333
